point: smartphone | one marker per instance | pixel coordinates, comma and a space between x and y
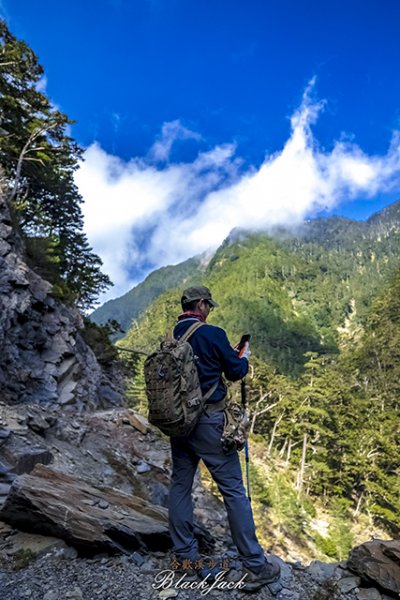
241, 345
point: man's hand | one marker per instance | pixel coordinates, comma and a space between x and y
245, 352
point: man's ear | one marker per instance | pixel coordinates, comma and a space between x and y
198, 305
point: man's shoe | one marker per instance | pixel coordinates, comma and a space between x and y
211, 573
268, 573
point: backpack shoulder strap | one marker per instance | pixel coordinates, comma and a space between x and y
190, 331
185, 338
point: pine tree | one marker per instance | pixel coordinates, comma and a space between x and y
39, 161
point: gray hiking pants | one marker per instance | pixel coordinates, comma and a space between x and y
204, 443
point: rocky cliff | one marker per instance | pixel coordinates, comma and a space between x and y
43, 358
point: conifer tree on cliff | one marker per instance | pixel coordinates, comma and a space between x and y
39, 161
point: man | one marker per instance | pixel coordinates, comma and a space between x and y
215, 357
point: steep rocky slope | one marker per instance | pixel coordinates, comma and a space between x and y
92, 524
43, 356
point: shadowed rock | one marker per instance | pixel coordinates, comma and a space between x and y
91, 519
378, 562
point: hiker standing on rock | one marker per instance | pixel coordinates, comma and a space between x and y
214, 357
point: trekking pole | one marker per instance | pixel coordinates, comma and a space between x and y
246, 446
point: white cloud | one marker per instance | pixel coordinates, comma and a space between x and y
171, 132
140, 215
124, 200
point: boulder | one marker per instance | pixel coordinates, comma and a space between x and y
135, 420
321, 571
91, 519
378, 562
37, 544
347, 584
23, 457
368, 594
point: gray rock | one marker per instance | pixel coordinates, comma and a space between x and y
67, 552
75, 594
143, 468
286, 578
109, 395
37, 423
276, 587
342, 571
38, 545
51, 502
66, 393
320, 571
25, 458
138, 559
168, 593
5, 468
378, 561
347, 584
4, 489
4, 247
51, 595
66, 367
288, 595
4, 435
368, 594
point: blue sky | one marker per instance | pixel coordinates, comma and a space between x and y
189, 108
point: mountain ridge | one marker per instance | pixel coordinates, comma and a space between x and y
330, 233
128, 307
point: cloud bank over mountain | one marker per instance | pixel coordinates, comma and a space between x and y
149, 212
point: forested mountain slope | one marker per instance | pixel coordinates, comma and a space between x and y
318, 276
295, 292
129, 306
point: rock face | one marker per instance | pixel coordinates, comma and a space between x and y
91, 519
43, 356
378, 562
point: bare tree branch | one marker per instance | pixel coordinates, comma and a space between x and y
27, 147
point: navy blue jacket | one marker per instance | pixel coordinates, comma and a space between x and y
214, 356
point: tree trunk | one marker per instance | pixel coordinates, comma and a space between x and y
271, 442
289, 452
357, 510
283, 449
300, 478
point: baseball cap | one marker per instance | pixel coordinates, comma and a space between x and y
198, 292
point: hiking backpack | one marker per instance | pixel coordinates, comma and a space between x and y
173, 390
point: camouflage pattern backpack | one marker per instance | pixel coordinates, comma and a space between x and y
175, 400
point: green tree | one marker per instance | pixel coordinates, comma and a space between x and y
39, 161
